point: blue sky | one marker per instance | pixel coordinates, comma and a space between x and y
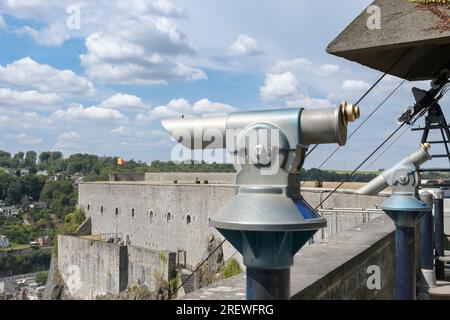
102, 83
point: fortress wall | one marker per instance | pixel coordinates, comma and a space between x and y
199, 202
182, 202
89, 268
191, 177
149, 267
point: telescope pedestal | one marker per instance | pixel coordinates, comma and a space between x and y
263, 284
405, 210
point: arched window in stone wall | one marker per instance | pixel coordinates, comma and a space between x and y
188, 219
88, 207
101, 209
133, 211
151, 215
116, 211
169, 217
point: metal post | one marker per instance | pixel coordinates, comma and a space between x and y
426, 242
406, 267
263, 284
439, 233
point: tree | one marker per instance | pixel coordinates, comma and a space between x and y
19, 156
41, 277
4, 154
32, 186
44, 156
14, 192
30, 158
55, 155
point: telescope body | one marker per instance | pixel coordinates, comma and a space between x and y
300, 127
385, 179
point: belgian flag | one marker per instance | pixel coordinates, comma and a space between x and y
120, 161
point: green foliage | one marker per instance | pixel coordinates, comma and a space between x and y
72, 221
41, 277
14, 192
60, 196
25, 263
13, 188
160, 166
174, 284
333, 176
17, 232
231, 269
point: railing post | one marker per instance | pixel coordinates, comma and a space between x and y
439, 233
426, 244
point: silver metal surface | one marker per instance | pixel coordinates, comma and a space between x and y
259, 211
321, 126
394, 174
298, 126
198, 133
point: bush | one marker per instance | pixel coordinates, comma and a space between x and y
41, 277
231, 269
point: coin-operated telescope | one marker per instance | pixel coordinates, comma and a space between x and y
405, 208
267, 221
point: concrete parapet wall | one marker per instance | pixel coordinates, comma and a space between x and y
150, 267
126, 176
337, 269
91, 268
192, 177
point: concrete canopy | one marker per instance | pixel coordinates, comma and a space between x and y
413, 42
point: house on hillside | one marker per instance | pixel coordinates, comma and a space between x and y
44, 241
4, 241
42, 173
9, 211
38, 205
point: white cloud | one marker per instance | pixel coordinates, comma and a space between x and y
123, 101
327, 70
23, 138
296, 66
277, 86
69, 136
289, 81
32, 120
244, 46
121, 131
92, 113
164, 112
206, 106
127, 42
355, 85
54, 35
5, 120
29, 74
2, 22
181, 107
133, 57
304, 67
179, 104
164, 7
304, 101
29, 99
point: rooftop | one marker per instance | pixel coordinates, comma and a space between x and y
423, 48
